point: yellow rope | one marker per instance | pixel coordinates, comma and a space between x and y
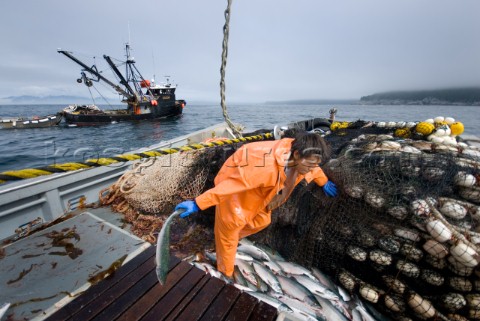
70, 166
27, 173
66, 167
102, 161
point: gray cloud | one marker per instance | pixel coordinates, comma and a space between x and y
278, 50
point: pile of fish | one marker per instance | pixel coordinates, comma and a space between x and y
291, 288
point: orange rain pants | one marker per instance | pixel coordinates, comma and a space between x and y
244, 186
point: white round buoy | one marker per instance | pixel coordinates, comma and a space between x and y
449, 120
391, 124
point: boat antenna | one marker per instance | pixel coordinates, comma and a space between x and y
128, 25
153, 59
234, 129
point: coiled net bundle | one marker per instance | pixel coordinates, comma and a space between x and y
402, 234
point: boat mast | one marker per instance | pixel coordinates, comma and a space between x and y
93, 71
123, 81
131, 72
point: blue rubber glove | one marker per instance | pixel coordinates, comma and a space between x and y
330, 189
190, 207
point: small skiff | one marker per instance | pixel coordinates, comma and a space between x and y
33, 122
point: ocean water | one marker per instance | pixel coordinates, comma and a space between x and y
36, 147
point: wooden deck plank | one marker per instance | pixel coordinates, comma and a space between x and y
96, 290
143, 306
222, 305
91, 310
202, 300
168, 303
187, 299
243, 308
133, 294
123, 302
263, 312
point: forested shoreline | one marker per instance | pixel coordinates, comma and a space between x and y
458, 96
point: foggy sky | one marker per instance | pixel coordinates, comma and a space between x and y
278, 49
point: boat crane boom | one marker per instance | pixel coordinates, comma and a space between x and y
93, 71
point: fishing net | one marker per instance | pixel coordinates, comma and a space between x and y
402, 234
157, 185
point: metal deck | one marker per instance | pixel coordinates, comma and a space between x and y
47, 269
134, 293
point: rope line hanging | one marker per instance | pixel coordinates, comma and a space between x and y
222, 71
91, 95
101, 95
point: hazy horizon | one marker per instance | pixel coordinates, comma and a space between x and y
64, 99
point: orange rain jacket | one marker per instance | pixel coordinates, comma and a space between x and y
244, 186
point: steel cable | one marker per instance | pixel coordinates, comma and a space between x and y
222, 71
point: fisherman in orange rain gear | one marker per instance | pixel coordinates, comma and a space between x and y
255, 180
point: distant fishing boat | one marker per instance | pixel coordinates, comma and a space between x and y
33, 122
145, 98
